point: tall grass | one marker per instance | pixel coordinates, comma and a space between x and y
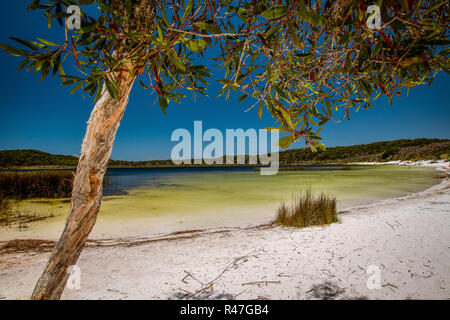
36, 184
16, 186
4, 205
307, 210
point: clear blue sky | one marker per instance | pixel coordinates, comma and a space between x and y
42, 115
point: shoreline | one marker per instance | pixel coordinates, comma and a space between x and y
395, 162
46, 245
143, 229
406, 237
443, 166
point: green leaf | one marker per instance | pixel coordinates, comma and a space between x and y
281, 92
49, 43
23, 64
275, 12
143, 85
76, 88
285, 142
188, 11
260, 110
294, 36
310, 16
13, 51
407, 84
196, 45
89, 28
25, 43
163, 103
69, 82
176, 61
243, 97
409, 61
272, 129
164, 16
112, 88
208, 27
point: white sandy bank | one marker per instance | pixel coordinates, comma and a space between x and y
422, 163
408, 239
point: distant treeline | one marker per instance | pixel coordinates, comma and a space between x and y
412, 150
417, 149
25, 158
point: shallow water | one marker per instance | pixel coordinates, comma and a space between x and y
141, 202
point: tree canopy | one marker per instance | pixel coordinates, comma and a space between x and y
307, 62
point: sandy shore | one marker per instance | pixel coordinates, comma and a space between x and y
407, 239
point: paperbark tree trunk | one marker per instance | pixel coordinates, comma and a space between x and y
87, 190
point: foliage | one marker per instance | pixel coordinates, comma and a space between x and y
417, 149
308, 210
307, 62
389, 152
23, 158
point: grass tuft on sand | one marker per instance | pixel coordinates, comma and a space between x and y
307, 210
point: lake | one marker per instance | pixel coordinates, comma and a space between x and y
149, 201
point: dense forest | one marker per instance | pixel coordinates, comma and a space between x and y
25, 158
412, 150
417, 149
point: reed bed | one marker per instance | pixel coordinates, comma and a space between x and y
20, 185
4, 204
36, 184
307, 210
16, 186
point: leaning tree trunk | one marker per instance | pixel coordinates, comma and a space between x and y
87, 190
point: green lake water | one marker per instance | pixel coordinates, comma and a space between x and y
141, 202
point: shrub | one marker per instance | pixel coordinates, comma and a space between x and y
389, 152
308, 210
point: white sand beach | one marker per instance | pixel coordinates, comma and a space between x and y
407, 238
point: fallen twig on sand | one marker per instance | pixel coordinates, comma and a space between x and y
391, 226
284, 275
390, 286
259, 283
236, 262
188, 274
